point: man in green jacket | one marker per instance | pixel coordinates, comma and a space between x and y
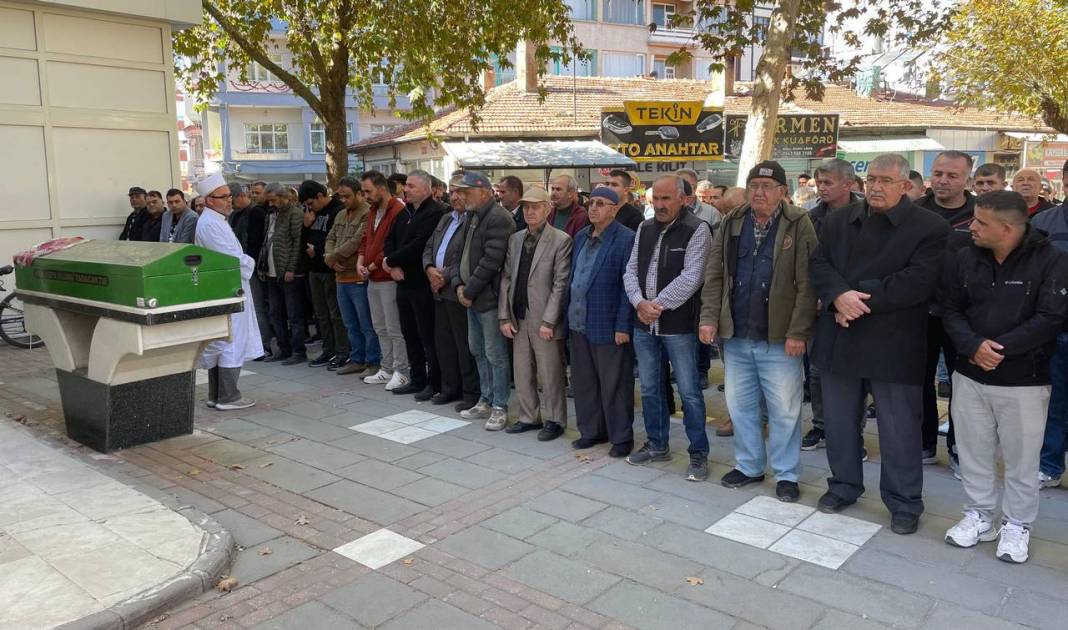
757, 299
280, 265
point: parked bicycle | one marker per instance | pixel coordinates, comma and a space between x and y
13, 319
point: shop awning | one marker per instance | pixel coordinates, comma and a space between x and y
890, 145
537, 154
1037, 137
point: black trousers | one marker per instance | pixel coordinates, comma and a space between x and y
602, 378
938, 342
287, 301
900, 411
415, 306
459, 376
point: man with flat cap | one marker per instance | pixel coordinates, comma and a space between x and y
223, 358
600, 321
131, 230
531, 311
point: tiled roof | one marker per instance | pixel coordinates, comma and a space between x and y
572, 108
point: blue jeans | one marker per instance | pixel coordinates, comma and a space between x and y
1051, 461
755, 369
682, 353
487, 346
356, 312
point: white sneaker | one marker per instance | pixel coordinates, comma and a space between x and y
1046, 481
1012, 547
480, 411
497, 420
243, 403
971, 530
398, 380
381, 377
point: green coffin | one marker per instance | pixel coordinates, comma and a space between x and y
133, 274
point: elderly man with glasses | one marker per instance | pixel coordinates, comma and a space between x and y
875, 270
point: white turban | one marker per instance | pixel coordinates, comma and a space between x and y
210, 183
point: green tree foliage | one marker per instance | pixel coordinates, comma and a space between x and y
432, 51
1011, 56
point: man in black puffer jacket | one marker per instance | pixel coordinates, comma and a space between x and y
324, 207
1004, 300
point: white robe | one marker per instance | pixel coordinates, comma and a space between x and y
214, 233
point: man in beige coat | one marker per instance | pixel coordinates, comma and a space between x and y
532, 298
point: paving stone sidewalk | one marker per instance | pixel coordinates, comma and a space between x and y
423, 521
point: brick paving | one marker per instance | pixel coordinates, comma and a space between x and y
521, 534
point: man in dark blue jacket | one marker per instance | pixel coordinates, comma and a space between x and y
1004, 300
316, 200
600, 320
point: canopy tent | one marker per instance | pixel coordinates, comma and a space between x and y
540, 154
889, 145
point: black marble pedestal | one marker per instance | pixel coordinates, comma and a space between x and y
109, 417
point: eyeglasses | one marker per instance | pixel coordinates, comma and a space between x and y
227, 196
882, 181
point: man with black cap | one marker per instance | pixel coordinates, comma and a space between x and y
758, 300
131, 230
875, 271
335, 350
477, 280
531, 312
601, 321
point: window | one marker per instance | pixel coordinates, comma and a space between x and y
258, 74
701, 70
579, 67
267, 138
662, 15
503, 75
380, 129
381, 76
662, 70
622, 64
624, 11
582, 9
761, 24
317, 135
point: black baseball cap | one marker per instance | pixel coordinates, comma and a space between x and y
137, 190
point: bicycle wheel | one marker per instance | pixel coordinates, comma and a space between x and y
13, 325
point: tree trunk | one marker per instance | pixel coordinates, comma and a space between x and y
336, 127
767, 87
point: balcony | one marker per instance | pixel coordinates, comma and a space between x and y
675, 37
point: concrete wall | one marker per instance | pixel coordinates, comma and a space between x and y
87, 109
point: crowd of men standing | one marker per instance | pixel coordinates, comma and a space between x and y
453, 293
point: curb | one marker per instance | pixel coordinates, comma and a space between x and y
216, 554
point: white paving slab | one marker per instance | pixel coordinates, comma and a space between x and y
379, 548
826, 552
838, 527
409, 426
769, 509
749, 530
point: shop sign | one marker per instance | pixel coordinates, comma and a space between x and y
804, 136
664, 131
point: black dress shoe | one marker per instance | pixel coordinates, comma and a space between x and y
550, 432
621, 450
904, 523
442, 398
425, 395
410, 388
787, 491
831, 503
522, 427
320, 361
274, 358
582, 443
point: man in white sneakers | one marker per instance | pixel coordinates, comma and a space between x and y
1004, 299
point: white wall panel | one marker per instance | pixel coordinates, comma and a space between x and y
19, 81
104, 87
98, 166
24, 196
90, 37
17, 30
